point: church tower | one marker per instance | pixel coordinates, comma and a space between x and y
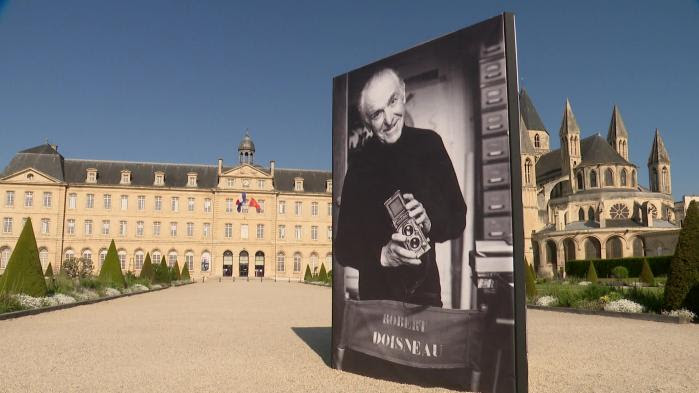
570, 143
537, 133
529, 201
246, 150
659, 166
617, 136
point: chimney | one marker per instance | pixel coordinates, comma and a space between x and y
220, 166
271, 168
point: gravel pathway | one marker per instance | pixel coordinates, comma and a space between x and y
274, 337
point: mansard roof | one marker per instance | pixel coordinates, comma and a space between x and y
313, 180
658, 152
594, 150
529, 113
44, 158
617, 129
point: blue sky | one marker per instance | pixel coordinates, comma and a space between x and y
180, 81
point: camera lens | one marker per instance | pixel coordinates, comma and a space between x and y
408, 230
414, 243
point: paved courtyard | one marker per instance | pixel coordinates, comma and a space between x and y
274, 337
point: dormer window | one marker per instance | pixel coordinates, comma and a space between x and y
230, 182
159, 178
192, 179
91, 175
298, 184
328, 185
125, 177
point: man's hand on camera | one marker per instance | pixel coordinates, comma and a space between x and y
417, 211
395, 254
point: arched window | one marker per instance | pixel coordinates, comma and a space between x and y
623, 177
593, 178
609, 177
155, 257
5, 253
69, 254
314, 263
654, 180
259, 258
297, 262
138, 259
638, 247
205, 261
281, 264
537, 141
633, 178
44, 257
581, 182
102, 256
528, 171
189, 260
122, 258
666, 181
591, 214
593, 248
614, 247
243, 257
581, 214
172, 258
569, 249
87, 254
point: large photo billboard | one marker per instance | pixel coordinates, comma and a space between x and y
427, 217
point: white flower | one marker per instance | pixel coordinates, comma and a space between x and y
584, 283
156, 286
138, 288
546, 301
683, 313
85, 294
111, 292
29, 301
60, 298
623, 305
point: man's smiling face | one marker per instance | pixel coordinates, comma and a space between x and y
384, 105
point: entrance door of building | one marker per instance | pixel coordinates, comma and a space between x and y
259, 264
243, 264
227, 264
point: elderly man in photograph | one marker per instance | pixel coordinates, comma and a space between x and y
414, 161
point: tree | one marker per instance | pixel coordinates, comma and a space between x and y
147, 269
23, 272
162, 273
647, 274
530, 283
110, 273
308, 276
682, 288
591, 273
323, 274
49, 271
185, 273
175, 272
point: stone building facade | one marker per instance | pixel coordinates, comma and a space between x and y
584, 200
222, 220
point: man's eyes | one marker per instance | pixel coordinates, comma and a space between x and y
375, 115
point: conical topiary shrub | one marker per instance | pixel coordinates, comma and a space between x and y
49, 271
591, 273
682, 287
147, 269
162, 273
647, 274
175, 272
308, 276
323, 274
23, 271
530, 281
185, 273
111, 274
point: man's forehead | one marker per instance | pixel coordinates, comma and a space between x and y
380, 89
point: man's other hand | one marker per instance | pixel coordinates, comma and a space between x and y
395, 254
417, 211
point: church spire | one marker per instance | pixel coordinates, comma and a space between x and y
536, 131
570, 142
658, 152
659, 166
569, 125
617, 136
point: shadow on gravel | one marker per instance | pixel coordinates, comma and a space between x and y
318, 338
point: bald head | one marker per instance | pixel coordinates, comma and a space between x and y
382, 105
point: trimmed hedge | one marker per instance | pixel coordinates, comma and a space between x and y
658, 265
323, 275
111, 273
308, 276
23, 273
175, 272
591, 273
162, 272
682, 287
147, 269
49, 271
185, 273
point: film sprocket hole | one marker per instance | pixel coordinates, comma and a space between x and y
404, 224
